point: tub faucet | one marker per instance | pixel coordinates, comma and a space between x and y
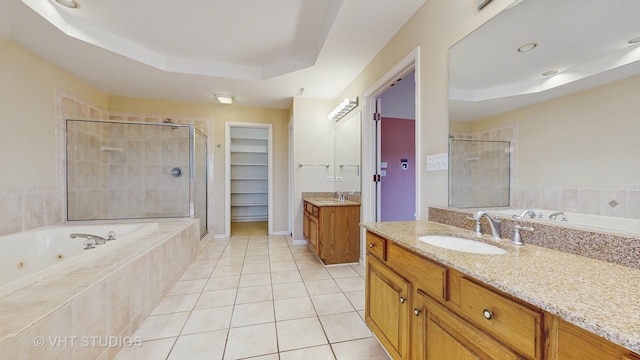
530, 212
555, 215
98, 239
493, 222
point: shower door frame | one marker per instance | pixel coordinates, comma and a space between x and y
191, 140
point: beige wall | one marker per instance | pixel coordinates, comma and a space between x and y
32, 180
434, 28
222, 113
313, 144
27, 100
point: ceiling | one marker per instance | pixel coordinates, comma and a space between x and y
585, 41
262, 52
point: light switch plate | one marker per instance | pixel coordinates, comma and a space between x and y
438, 162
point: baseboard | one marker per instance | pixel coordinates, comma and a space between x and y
299, 242
220, 236
281, 233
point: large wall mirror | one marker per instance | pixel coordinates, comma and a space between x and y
559, 81
347, 153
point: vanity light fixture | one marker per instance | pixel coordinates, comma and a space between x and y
225, 99
72, 4
550, 73
635, 40
343, 109
527, 47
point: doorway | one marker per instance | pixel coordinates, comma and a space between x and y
371, 152
397, 148
248, 183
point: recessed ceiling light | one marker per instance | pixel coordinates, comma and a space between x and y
225, 99
68, 3
527, 47
550, 72
635, 40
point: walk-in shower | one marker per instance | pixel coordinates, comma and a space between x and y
132, 170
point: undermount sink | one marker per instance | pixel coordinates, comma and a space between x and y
326, 201
464, 245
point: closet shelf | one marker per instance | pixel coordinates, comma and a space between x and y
249, 204
248, 164
249, 178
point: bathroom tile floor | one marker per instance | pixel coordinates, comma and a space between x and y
259, 297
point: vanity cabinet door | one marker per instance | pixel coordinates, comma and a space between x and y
314, 239
575, 343
387, 308
443, 335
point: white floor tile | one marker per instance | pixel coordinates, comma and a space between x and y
250, 341
368, 348
254, 294
205, 346
209, 319
344, 327
259, 297
254, 313
176, 303
331, 304
317, 352
289, 290
300, 333
155, 349
162, 326
295, 308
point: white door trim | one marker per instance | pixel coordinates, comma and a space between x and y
369, 165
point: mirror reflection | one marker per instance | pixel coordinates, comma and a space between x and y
347, 153
573, 133
478, 173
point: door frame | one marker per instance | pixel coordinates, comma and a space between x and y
370, 144
227, 171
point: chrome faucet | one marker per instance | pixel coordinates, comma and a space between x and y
555, 215
494, 223
99, 240
528, 212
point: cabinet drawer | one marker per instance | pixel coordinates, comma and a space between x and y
515, 325
426, 275
376, 246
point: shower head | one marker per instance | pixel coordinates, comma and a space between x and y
168, 121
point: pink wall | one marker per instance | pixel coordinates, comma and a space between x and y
398, 187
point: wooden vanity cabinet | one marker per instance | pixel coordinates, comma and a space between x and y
441, 334
420, 309
575, 343
333, 232
388, 308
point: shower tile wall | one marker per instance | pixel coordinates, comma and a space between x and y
162, 151
480, 171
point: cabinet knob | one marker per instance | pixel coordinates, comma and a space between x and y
416, 312
487, 314
371, 245
402, 299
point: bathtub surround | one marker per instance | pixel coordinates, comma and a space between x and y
609, 247
106, 297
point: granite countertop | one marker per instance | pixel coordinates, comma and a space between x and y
329, 201
598, 296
